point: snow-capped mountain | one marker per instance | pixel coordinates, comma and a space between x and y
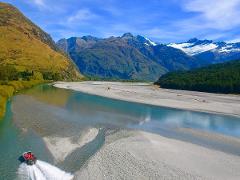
209, 52
229, 48
150, 43
139, 39
195, 46
125, 57
137, 57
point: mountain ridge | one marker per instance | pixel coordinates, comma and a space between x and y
27, 47
191, 54
28, 56
208, 51
134, 57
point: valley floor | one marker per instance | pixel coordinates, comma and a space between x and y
130, 154
150, 94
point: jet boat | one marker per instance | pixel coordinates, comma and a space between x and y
29, 158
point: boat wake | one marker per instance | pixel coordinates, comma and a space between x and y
42, 171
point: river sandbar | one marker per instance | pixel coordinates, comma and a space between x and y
149, 94
141, 155
61, 147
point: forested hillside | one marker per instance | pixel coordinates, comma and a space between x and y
219, 78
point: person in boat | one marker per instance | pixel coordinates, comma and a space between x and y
29, 158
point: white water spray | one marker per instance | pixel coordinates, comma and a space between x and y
42, 171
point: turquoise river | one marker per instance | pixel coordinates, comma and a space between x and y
46, 111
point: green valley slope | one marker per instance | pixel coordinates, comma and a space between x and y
28, 55
26, 47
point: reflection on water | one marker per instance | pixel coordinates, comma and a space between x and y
49, 95
84, 109
45, 111
186, 119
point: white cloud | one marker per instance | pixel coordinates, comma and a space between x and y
216, 14
210, 19
81, 15
39, 2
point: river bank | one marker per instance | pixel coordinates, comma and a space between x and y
153, 95
8, 89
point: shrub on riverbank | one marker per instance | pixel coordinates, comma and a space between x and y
3, 101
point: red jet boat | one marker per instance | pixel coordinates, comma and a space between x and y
29, 158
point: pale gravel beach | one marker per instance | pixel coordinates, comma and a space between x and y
61, 147
129, 154
141, 155
149, 94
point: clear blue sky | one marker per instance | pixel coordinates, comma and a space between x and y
160, 20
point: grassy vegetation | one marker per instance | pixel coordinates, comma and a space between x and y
13, 80
219, 78
26, 47
3, 101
